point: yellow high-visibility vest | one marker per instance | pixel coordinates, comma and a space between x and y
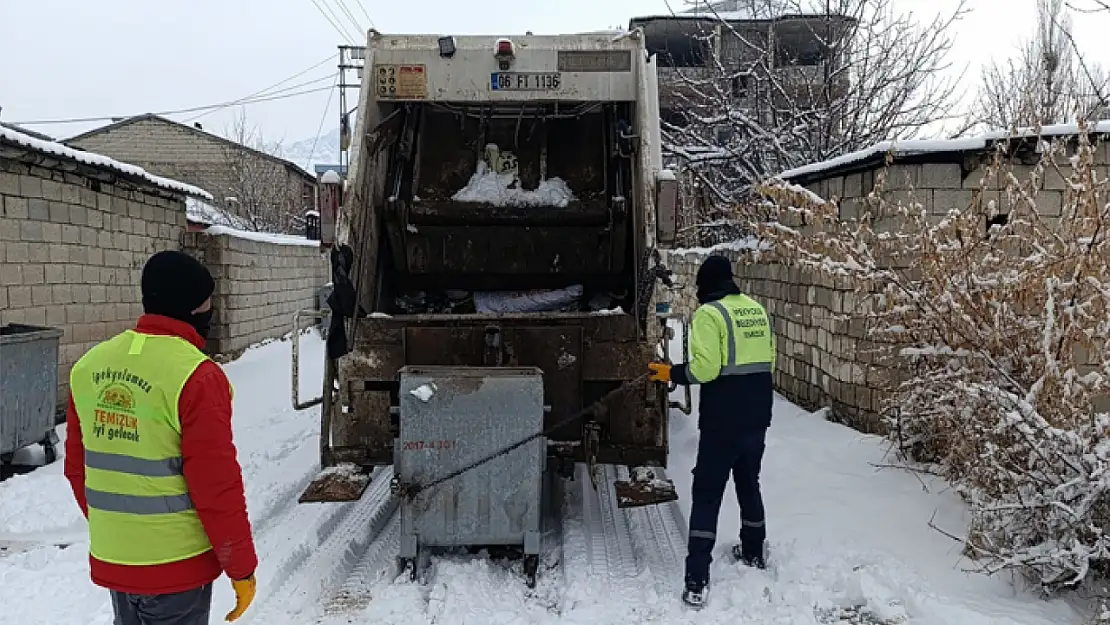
731, 336
126, 393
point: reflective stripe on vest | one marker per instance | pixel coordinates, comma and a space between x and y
126, 392
730, 366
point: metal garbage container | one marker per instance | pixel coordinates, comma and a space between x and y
28, 389
451, 417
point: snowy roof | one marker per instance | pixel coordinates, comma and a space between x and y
10, 135
915, 147
196, 131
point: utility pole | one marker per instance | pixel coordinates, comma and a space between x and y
350, 58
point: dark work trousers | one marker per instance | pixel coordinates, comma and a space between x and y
742, 455
183, 608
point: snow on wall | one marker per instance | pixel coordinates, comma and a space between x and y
202, 212
100, 161
927, 146
262, 237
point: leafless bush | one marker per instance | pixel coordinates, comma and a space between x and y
1000, 335
755, 98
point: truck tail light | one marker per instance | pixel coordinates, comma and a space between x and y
504, 49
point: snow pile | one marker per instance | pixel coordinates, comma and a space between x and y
995, 354
424, 392
489, 187
96, 160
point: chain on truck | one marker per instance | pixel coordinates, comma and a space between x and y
498, 288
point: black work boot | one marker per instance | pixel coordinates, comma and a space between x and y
696, 593
754, 560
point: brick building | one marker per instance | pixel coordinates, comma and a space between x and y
244, 181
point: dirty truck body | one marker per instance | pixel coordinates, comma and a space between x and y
485, 166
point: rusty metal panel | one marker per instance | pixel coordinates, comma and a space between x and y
558, 353
443, 346
505, 250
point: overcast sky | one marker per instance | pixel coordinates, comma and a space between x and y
82, 58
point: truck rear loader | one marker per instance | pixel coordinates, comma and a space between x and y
497, 283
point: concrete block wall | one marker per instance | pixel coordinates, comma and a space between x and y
72, 251
820, 326
259, 286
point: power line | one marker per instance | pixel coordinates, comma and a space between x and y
363, 9
358, 27
336, 22
267, 89
78, 120
320, 129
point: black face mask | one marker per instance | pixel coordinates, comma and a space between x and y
201, 322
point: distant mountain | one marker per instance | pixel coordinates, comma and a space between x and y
302, 154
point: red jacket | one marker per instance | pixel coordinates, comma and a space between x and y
211, 472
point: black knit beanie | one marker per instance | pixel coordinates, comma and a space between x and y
175, 284
714, 271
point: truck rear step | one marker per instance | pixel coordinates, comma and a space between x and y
343, 482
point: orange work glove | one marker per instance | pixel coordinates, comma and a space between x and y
244, 595
660, 372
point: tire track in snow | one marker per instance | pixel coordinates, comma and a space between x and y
375, 567
611, 556
316, 566
659, 534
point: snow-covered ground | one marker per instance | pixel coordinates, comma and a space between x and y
844, 536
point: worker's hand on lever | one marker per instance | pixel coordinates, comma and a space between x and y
660, 372
244, 595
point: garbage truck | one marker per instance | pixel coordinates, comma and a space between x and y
498, 284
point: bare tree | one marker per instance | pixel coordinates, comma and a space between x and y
774, 84
1046, 82
259, 191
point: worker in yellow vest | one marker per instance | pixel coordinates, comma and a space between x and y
732, 345
151, 461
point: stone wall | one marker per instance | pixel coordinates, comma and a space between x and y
72, 250
260, 284
821, 320
819, 328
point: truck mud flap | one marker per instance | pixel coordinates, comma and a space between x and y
341, 483
644, 489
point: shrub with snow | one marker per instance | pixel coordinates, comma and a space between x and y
998, 335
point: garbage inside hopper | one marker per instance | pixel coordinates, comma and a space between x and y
561, 300
496, 182
458, 302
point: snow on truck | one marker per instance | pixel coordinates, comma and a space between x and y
497, 281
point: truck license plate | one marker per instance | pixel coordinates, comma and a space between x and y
525, 81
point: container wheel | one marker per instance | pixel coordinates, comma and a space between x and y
531, 566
